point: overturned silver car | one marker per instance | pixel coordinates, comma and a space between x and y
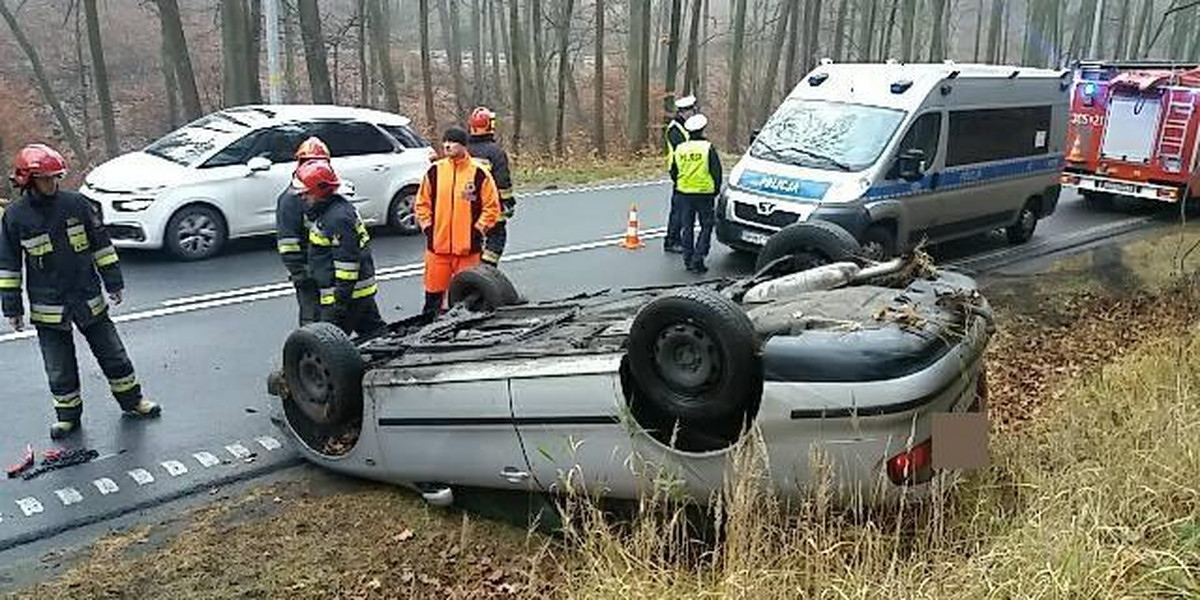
612, 390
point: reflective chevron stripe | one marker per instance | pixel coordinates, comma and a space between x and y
105, 256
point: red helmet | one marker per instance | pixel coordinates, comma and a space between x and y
482, 121
316, 177
312, 147
37, 160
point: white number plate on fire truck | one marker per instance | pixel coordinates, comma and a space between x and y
1117, 187
758, 239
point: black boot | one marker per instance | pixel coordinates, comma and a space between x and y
433, 304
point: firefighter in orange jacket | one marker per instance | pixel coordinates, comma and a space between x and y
457, 204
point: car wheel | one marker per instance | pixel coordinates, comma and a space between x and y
807, 245
402, 215
879, 243
323, 371
1022, 231
482, 288
694, 354
196, 233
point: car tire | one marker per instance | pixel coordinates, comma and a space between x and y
323, 372
809, 244
1022, 231
401, 216
695, 356
879, 243
196, 232
482, 288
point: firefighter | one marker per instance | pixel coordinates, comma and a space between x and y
291, 234
339, 252
483, 148
457, 207
57, 237
696, 171
676, 134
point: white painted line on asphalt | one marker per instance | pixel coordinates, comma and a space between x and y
239, 451
268, 443
141, 477
1082, 233
69, 496
206, 459
593, 188
174, 467
30, 506
106, 486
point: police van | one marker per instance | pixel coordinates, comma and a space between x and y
900, 153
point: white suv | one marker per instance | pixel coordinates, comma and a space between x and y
219, 177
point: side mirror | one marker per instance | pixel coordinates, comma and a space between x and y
912, 164
258, 163
754, 134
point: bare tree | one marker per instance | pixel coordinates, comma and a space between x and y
494, 43
233, 39
795, 23
314, 51
690, 70
672, 66
43, 83
735, 72
111, 147
564, 63
839, 29
176, 42
426, 75
536, 20
937, 45
908, 19
994, 33
383, 52
866, 35
516, 68
291, 88
479, 86
768, 95
598, 98
364, 68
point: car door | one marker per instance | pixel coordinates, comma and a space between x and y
921, 202
249, 198
572, 430
362, 154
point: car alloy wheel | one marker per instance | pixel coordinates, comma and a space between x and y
403, 217
196, 233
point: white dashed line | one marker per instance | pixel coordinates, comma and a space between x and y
174, 468
30, 506
69, 496
206, 459
268, 442
141, 477
239, 451
106, 486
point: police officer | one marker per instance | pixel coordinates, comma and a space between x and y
696, 171
339, 252
59, 241
483, 148
674, 135
291, 234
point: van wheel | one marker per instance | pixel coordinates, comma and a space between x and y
482, 288
879, 243
807, 245
695, 356
323, 372
196, 232
1022, 231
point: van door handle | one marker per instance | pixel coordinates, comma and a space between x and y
514, 475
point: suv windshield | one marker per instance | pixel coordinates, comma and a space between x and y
826, 135
188, 143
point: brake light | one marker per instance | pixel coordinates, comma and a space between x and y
912, 466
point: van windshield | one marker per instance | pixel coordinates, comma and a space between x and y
826, 135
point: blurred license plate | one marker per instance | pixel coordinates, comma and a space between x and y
1118, 187
759, 239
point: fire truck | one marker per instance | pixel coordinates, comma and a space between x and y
1133, 131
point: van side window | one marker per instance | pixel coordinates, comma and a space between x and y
997, 134
924, 135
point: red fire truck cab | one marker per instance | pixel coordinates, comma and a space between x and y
1133, 131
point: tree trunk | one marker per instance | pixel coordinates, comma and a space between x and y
314, 52
111, 147
365, 97
978, 31
383, 53
644, 74
599, 109
1179, 24
170, 87
81, 68
735, 73
497, 92
768, 95
289, 65
793, 44
172, 32
886, 45
254, 51
866, 32
693, 49
906, 30
538, 80
993, 40
479, 86
839, 30
1122, 31
233, 36
426, 75
672, 66
450, 41
44, 84
937, 43
1141, 35
515, 68
564, 62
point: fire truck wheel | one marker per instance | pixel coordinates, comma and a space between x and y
1021, 231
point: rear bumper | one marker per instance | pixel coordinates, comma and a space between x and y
1121, 187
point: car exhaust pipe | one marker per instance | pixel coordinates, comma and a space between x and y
824, 277
884, 268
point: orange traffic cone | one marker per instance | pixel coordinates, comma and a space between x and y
632, 239
1076, 153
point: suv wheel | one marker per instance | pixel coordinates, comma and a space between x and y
402, 216
196, 233
1022, 231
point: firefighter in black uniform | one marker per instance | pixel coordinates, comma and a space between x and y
56, 238
291, 235
339, 253
487, 153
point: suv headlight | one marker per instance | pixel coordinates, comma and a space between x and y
132, 205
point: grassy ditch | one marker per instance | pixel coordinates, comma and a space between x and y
1093, 492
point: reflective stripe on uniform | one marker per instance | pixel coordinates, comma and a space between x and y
105, 256
327, 296
97, 305
77, 235
38, 245
315, 236
72, 400
345, 270
122, 384
289, 245
363, 236
45, 313
10, 280
364, 288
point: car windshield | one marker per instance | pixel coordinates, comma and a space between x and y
826, 135
188, 143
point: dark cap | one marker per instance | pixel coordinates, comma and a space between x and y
456, 134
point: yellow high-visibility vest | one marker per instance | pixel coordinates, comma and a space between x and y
691, 159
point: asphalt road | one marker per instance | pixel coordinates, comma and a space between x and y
204, 336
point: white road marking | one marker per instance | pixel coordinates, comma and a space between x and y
174, 467
141, 477
268, 442
69, 496
106, 486
592, 188
239, 451
30, 506
207, 459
